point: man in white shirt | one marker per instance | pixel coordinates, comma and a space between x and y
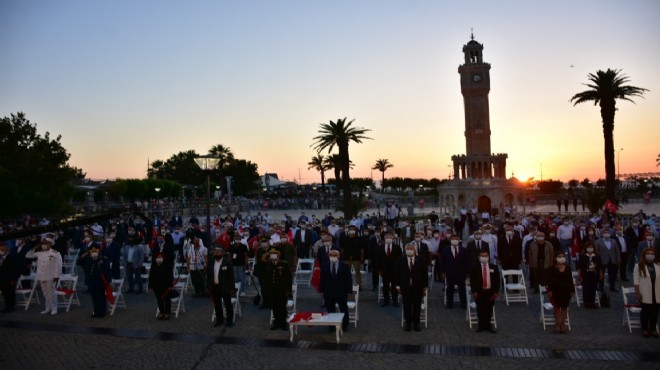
49, 268
196, 261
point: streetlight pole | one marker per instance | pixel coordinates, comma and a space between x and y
158, 202
207, 164
618, 170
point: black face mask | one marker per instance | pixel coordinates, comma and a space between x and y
218, 258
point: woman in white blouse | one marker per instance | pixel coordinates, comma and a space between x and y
647, 286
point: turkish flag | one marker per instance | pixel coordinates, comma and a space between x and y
108, 291
610, 206
316, 276
253, 243
223, 240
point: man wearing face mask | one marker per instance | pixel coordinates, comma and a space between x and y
454, 269
610, 257
303, 240
49, 268
475, 246
87, 245
540, 258
509, 249
220, 279
389, 254
277, 287
411, 282
9, 273
485, 286
133, 260
97, 270
648, 241
336, 285
353, 249
590, 272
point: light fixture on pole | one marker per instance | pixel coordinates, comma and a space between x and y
158, 200
207, 163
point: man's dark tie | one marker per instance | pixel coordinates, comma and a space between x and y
334, 269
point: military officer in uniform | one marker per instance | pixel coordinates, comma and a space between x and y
277, 287
49, 268
97, 270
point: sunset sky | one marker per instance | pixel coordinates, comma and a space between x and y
125, 82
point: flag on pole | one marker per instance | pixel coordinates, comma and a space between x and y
316, 276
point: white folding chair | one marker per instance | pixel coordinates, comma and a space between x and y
514, 291
457, 296
579, 291
631, 311
235, 302
290, 303
353, 315
66, 293
380, 289
364, 272
304, 271
547, 316
251, 262
471, 312
26, 295
178, 302
117, 286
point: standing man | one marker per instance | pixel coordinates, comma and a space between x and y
303, 240
540, 258
97, 270
610, 256
565, 233
352, 248
10, 270
474, 248
49, 268
196, 262
625, 248
454, 268
485, 285
336, 285
238, 252
509, 249
411, 283
220, 279
277, 287
387, 266
133, 260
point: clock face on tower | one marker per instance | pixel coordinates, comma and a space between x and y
476, 78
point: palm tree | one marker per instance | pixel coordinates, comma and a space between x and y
319, 163
605, 88
382, 165
226, 157
341, 134
333, 162
657, 161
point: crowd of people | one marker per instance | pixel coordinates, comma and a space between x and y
472, 247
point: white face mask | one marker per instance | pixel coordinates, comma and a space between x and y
327, 244
159, 260
483, 259
351, 232
540, 239
94, 255
454, 242
334, 259
44, 247
273, 257
487, 232
418, 239
606, 236
388, 241
650, 257
649, 238
590, 250
561, 259
509, 233
477, 236
410, 252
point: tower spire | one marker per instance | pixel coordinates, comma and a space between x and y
471, 33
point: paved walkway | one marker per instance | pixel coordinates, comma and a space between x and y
133, 338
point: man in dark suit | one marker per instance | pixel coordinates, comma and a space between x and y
509, 249
336, 285
474, 247
422, 247
353, 248
374, 246
454, 268
485, 284
303, 240
610, 256
220, 278
10, 270
389, 254
411, 282
323, 253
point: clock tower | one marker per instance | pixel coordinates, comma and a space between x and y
475, 86
479, 176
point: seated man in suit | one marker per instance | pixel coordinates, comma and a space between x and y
411, 282
336, 285
485, 284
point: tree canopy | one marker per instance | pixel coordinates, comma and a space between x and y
35, 170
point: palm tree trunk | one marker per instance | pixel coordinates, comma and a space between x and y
607, 110
382, 183
346, 181
323, 181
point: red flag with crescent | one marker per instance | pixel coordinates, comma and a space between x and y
316, 276
610, 206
